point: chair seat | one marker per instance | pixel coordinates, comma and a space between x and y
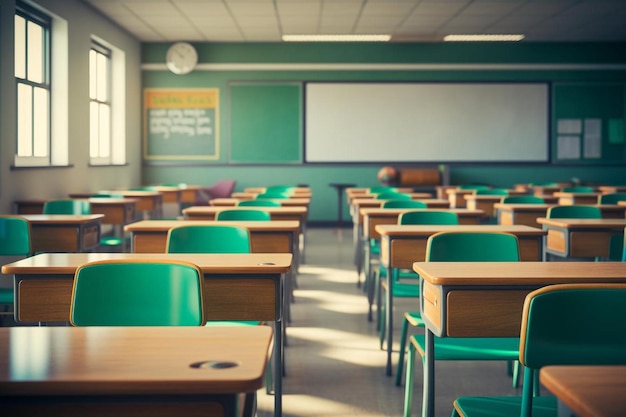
414, 318
504, 406
462, 349
111, 241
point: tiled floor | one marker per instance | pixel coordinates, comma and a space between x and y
333, 361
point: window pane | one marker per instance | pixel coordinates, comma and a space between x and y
24, 120
94, 129
20, 47
103, 78
105, 131
93, 74
41, 112
35, 53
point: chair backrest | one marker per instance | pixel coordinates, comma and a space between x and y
287, 189
574, 212
273, 195
382, 189
492, 191
578, 189
472, 187
137, 293
208, 239
472, 247
522, 199
15, 237
428, 217
392, 195
67, 207
404, 204
246, 214
571, 324
259, 203
624, 247
612, 198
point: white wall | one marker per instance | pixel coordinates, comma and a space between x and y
46, 183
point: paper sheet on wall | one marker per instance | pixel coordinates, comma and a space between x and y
568, 147
592, 139
569, 127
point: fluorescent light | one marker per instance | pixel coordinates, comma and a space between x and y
336, 38
484, 38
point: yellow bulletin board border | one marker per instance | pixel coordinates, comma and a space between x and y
181, 98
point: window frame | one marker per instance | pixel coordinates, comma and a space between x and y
99, 159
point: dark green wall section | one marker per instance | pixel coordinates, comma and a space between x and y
242, 72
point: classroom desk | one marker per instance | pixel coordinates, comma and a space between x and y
485, 202
402, 245
285, 202
611, 189
58, 371
276, 236
456, 196
148, 202
260, 190
580, 238
236, 287
64, 233
528, 213
359, 192
450, 291
116, 210
373, 216
587, 391
568, 199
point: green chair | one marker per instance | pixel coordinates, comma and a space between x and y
107, 195
566, 324
522, 199
15, 244
67, 207
137, 293
612, 198
624, 247
245, 214
578, 189
414, 318
212, 238
259, 203
393, 196
404, 204
473, 187
268, 195
492, 191
286, 189
382, 189
465, 247
574, 212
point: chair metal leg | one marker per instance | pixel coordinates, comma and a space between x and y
408, 386
403, 334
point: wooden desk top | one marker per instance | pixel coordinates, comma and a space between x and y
78, 361
165, 225
395, 212
62, 218
575, 194
284, 202
396, 230
609, 189
66, 263
523, 207
215, 209
583, 223
414, 196
519, 273
589, 391
372, 202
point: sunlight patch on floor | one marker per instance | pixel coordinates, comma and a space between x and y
306, 405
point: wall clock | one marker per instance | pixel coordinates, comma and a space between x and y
181, 58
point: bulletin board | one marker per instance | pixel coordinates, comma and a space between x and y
181, 124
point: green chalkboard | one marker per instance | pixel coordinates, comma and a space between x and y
266, 123
181, 124
589, 123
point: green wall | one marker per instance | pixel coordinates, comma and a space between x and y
223, 66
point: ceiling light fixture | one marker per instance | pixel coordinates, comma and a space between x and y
336, 38
483, 38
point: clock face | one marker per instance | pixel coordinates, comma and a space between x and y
181, 58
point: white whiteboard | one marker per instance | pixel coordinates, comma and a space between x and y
426, 122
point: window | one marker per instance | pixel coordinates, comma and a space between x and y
32, 75
100, 104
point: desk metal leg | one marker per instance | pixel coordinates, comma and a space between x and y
389, 319
428, 401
